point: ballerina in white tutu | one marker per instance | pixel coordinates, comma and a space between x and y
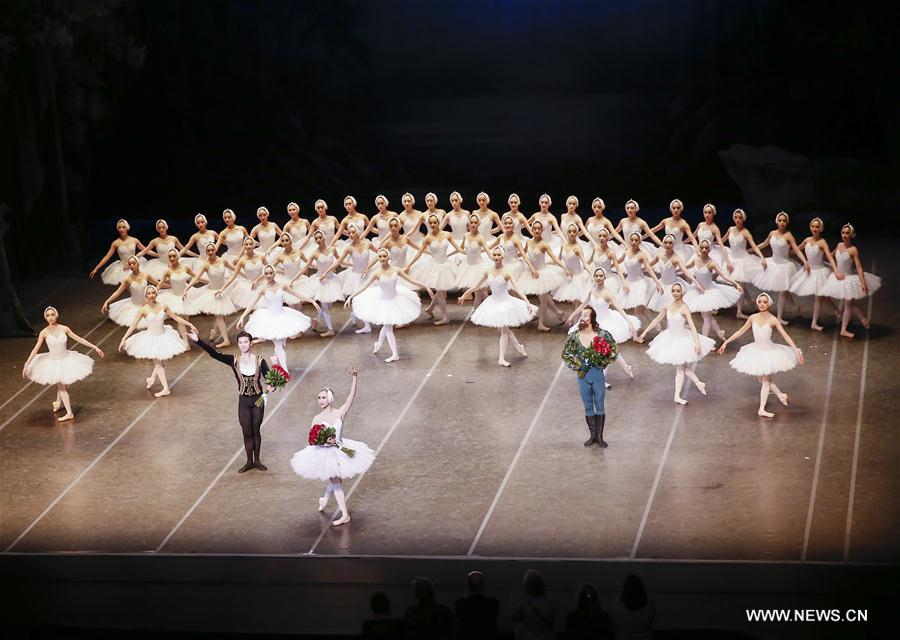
124, 247
266, 233
353, 218
638, 288
58, 366
232, 236
631, 223
380, 221
477, 260
124, 311
571, 216
158, 342
669, 263
328, 224
438, 273
275, 321
548, 278
679, 344
486, 214
330, 461
853, 286
710, 296
554, 236
678, 228
205, 299
387, 303
456, 221
288, 263
247, 270
812, 282
411, 219
398, 246
180, 297
598, 222
325, 286
431, 209
763, 358
746, 266
607, 257
621, 326
298, 228
780, 268
578, 282
520, 221
708, 230
160, 247
360, 252
500, 309
200, 238
514, 256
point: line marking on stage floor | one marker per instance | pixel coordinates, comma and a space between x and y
679, 410
29, 383
394, 426
268, 416
820, 449
108, 448
46, 388
512, 465
859, 413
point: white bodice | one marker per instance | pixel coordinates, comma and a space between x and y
338, 427
398, 256
484, 225
266, 236
738, 244
629, 227
705, 233
136, 291
499, 287
328, 229
438, 250
510, 255
814, 256
633, 269
163, 247
155, 322
668, 275
125, 250
573, 262
780, 249
388, 286
602, 260
762, 333
599, 303
359, 223
324, 261
844, 262
274, 301
473, 253
233, 240
412, 227
179, 282
359, 260
56, 346
537, 258
676, 232
252, 271
594, 227
216, 275
703, 275
298, 234
383, 227
292, 265
458, 224
676, 323
204, 239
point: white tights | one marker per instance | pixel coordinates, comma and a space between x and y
709, 322
507, 336
681, 371
280, 353
334, 487
62, 396
159, 372
387, 333
324, 315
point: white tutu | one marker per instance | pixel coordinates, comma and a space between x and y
503, 311
470, 274
156, 267
329, 290
613, 322
302, 285
49, 368
809, 284
350, 281
278, 324
206, 302
155, 346
659, 301
757, 359
440, 276
116, 272
776, 276
574, 289
745, 267
551, 277
123, 312
850, 288
178, 306
323, 463
242, 295
639, 292
675, 345
715, 296
386, 303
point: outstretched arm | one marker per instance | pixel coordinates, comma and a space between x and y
737, 334
104, 259
214, 353
659, 317
345, 408
77, 338
115, 294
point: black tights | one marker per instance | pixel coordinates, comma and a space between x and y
250, 416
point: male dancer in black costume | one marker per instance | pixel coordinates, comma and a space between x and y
250, 372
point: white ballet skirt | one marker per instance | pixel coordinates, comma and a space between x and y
746, 265
675, 344
302, 285
850, 288
352, 279
158, 341
668, 276
156, 267
327, 290
551, 276
116, 271
779, 270
475, 265
123, 312
172, 298
266, 238
398, 257
205, 299
575, 288
323, 463
714, 296
59, 365
762, 357
276, 321
501, 309
438, 273
612, 321
241, 292
640, 287
386, 303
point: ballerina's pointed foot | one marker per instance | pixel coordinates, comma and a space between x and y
866, 323
364, 330
323, 502
847, 334
441, 322
721, 335
344, 519
68, 416
783, 321
376, 347
394, 357
327, 334
149, 382
503, 363
521, 350
783, 399
543, 327
701, 387
680, 401
223, 344
164, 392
816, 327
629, 371
762, 413
741, 315
56, 405
428, 311
212, 333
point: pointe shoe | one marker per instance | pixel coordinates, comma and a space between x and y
784, 322
848, 334
740, 315
164, 392
68, 416
394, 357
327, 334
323, 502
701, 387
376, 348
607, 385
629, 371
442, 322
542, 327
149, 382
721, 335
344, 519
364, 330
247, 466
680, 401
816, 327
521, 350
503, 363
56, 405
762, 413
783, 399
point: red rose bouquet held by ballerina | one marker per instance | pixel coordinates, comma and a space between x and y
323, 436
276, 378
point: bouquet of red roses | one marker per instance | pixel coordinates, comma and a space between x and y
275, 377
323, 436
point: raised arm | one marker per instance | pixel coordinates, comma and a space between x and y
345, 408
300, 296
425, 242
214, 353
415, 282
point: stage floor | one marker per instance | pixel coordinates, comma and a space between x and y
473, 459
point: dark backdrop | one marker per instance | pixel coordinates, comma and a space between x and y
164, 108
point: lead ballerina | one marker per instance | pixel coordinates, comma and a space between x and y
331, 461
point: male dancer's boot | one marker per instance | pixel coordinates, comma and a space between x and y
593, 429
600, 422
